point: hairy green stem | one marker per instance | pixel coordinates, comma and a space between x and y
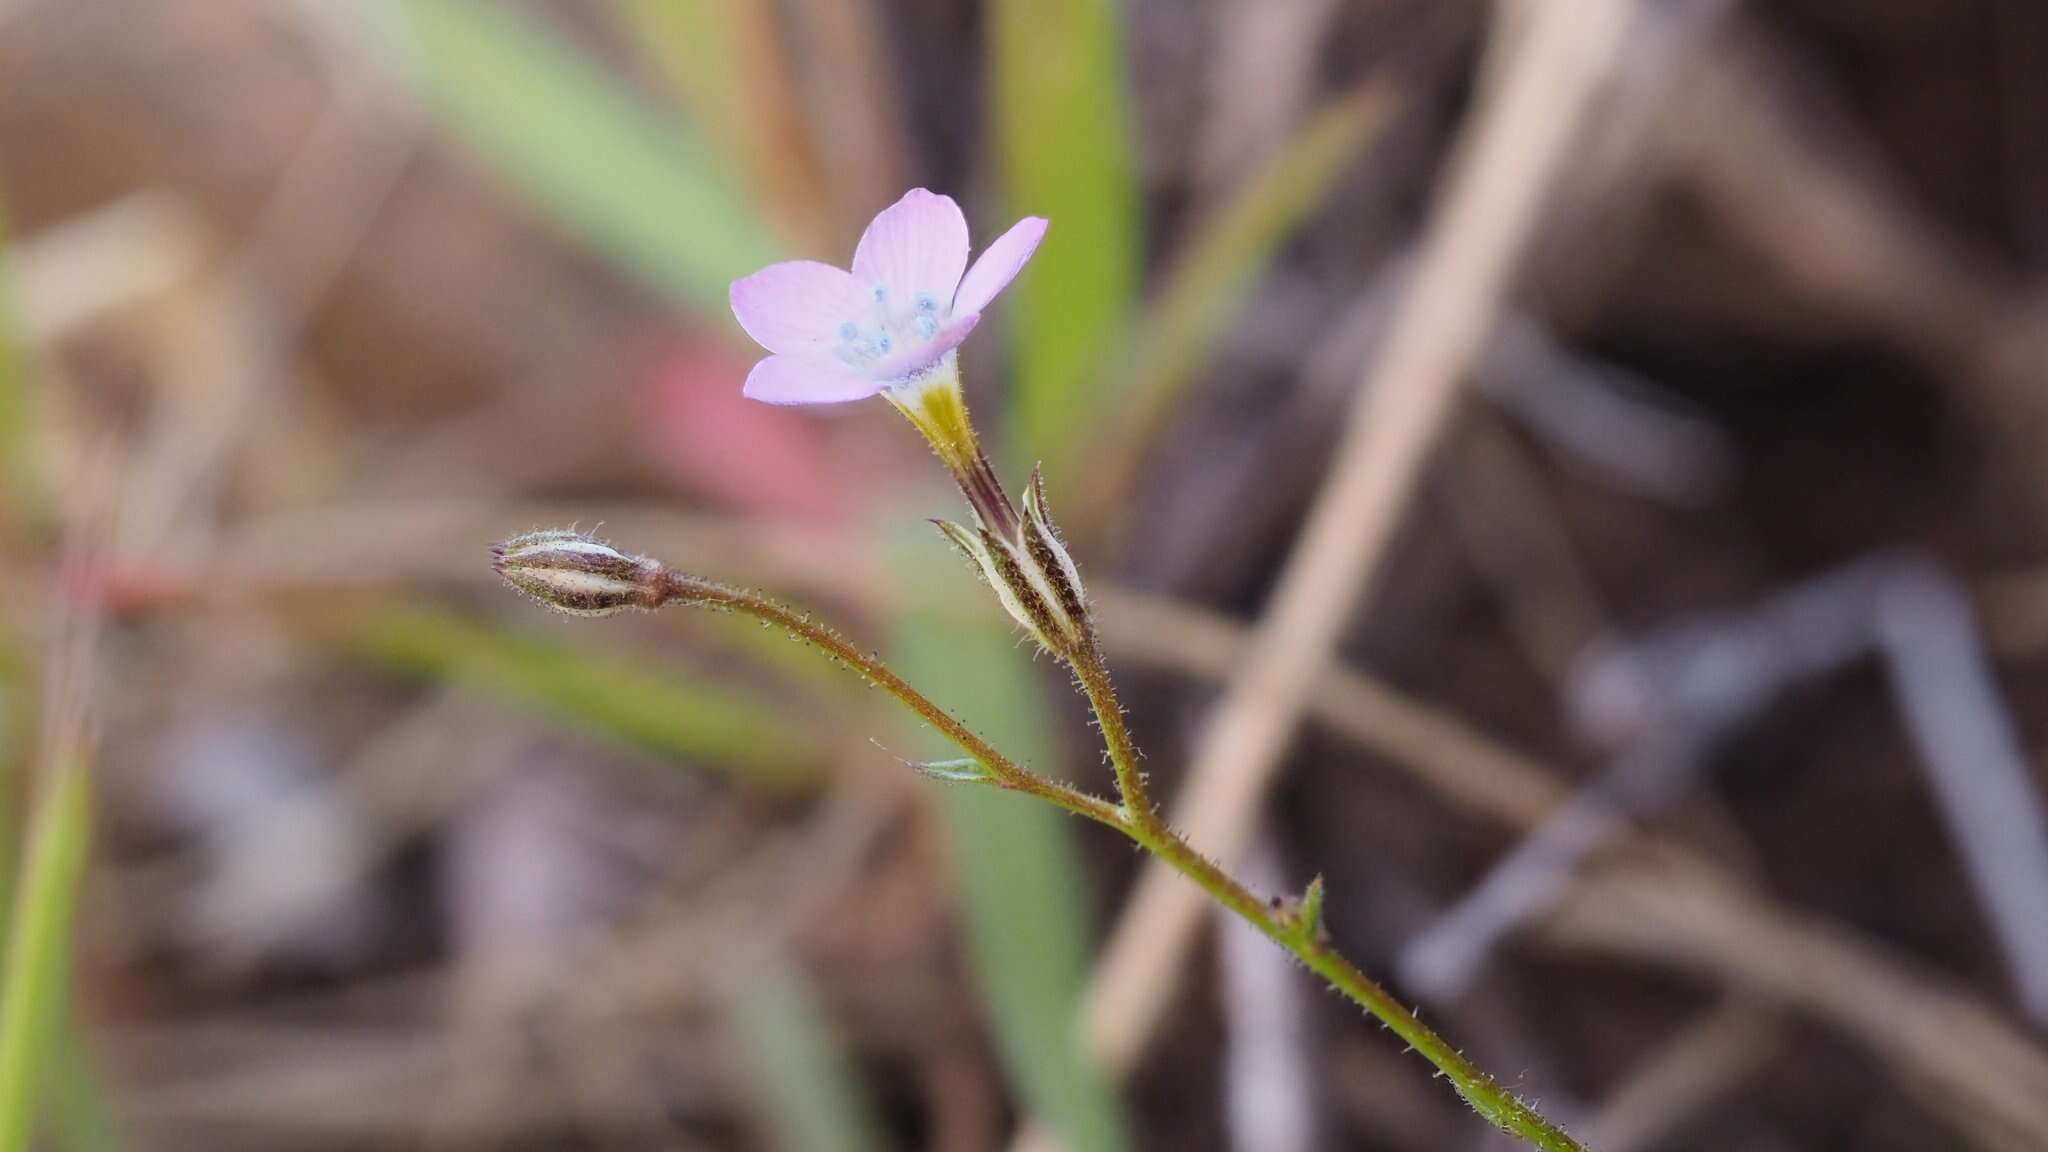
1297, 929
1299, 935
1093, 674
677, 587
1303, 936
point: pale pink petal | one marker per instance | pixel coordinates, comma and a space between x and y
917, 246
999, 264
918, 357
798, 307
795, 380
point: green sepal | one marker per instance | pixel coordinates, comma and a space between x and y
1308, 915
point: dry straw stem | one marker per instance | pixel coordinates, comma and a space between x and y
1686, 1077
1506, 163
1947, 1047
1473, 772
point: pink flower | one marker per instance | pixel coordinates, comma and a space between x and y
909, 301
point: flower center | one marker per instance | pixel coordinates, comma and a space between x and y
866, 344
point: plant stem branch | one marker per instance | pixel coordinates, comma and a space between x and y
678, 587
1303, 936
1093, 674
1294, 927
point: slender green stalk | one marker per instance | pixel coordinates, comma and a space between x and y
1093, 674
1003, 772
1302, 934
1299, 933
1297, 927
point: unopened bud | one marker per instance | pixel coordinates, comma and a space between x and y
578, 574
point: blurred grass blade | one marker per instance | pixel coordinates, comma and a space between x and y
19, 692
81, 1112
17, 679
701, 721
1020, 880
691, 45
648, 194
725, 61
1228, 258
1063, 129
37, 977
769, 649
802, 1085
18, 479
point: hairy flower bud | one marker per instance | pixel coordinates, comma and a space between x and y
578, 574
1033, 576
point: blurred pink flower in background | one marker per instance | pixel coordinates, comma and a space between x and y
714, 442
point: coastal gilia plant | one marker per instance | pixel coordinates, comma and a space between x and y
891, 327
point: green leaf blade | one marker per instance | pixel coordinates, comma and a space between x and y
649, 194
804, 1088
36, 984
1063, 129
701, 721
1225, 261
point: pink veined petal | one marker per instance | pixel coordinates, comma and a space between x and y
916, 245
918, 357
999, 264
797, 307
795, 380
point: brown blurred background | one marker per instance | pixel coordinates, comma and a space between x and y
1679, 758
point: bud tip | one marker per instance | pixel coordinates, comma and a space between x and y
577, 573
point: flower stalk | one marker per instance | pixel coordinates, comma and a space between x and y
658, 586
1296, 926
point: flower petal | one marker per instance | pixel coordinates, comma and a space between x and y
795, 380
918, 357
999, 264
916, 245
797, 307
